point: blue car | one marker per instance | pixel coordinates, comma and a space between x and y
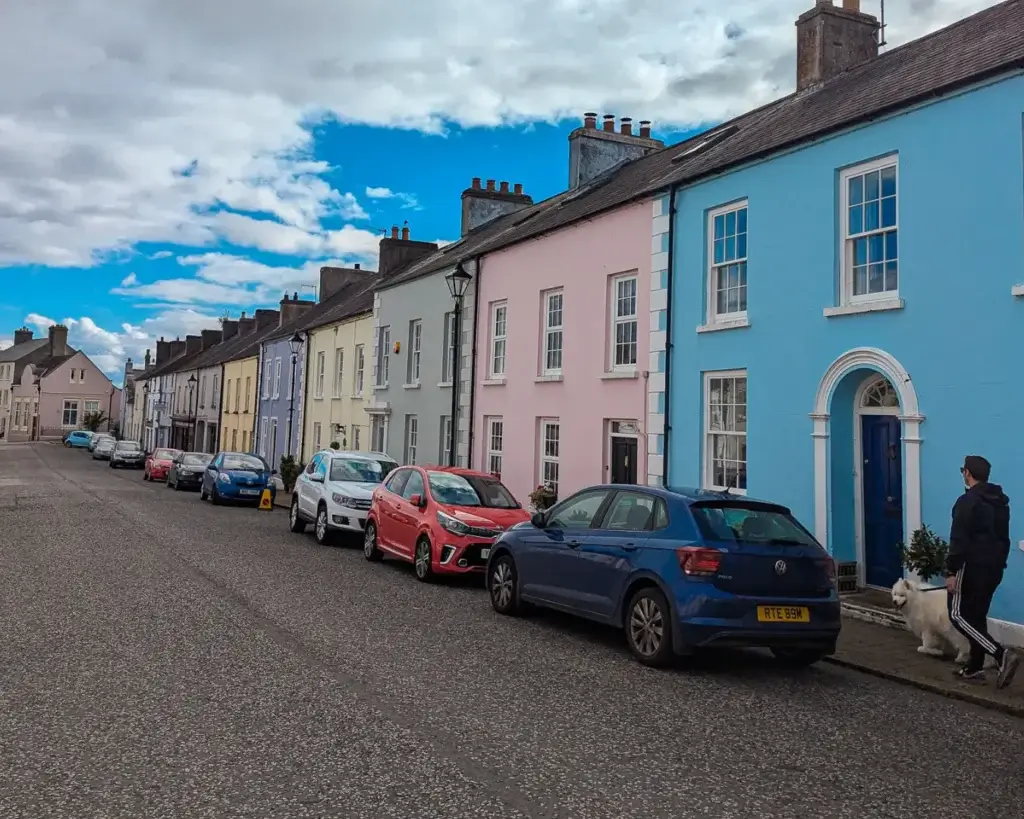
238, 477
79, 439
677, 569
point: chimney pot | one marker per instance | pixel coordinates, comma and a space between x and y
394, 231
405, 234
627, 126
645, 128
518, 189
831, 41
357, 266
609, 122
590, 120
295, 296
243, 315
476, 183
851, 5
490, 184
504, 187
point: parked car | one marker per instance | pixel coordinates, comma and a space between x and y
96, 438
187, 470
127, 454
335, 492
443, 520
79, 439
158, 464
677, 569
236, 476
102, 449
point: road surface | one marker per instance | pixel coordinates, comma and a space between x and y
161, 657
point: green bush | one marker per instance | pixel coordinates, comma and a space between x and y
290, 471
925, 555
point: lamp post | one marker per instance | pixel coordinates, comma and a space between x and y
458, 282
190, 439
148, 445
295, 342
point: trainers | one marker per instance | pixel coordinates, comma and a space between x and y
970, 674
1007, 668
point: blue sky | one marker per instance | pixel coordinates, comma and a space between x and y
186, 160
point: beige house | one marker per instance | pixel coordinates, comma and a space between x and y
25, 350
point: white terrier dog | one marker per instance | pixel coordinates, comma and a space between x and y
928, 617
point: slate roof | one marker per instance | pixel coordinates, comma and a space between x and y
48, 365
17, 351
358, 300
979, 47
336, 302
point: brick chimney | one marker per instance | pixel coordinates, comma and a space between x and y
147, 362
228, 329
246, 326
831, 40
58, 340
398, 250
163, 352
292, 308
209, 338
481, 205
267, 318
177, 349
193, 344
21, 335
332, 279
593, 150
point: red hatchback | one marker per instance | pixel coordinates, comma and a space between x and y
441, 519
158, 463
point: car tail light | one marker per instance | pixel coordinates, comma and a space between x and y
697, 561
829, 565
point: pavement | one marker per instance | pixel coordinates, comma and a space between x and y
161, 657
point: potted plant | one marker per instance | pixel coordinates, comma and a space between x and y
543, 497
290, 471
335, 445
926, 554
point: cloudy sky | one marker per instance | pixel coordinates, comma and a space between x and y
164, 163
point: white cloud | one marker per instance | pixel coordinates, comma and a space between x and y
162, 254
158, 114
408, 200
129, 280
5, 343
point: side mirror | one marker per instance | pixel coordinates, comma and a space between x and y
416, 500
538, 520
316, 477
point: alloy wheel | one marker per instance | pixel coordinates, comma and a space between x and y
422, 560
370, 541
321, 525
501, 585
293, 515
646, 626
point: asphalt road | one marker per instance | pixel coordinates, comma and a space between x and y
160, 657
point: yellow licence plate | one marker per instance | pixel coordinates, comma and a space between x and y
783, 614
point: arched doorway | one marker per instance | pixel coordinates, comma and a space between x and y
867, 473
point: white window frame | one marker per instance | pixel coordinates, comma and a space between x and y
268, 374
263, 436
355, 437
415, 351
551, 331
277, 378
448, 350
709, 433
726, 317
248, 379
378, 429
317, 433
339, 371
499, 340
542, 451
202, 392
493, 456
87, 411
846, 247
321, 364
359, 376
446, 439
623, 320
412, 437
383, 356
215, 395
69, 405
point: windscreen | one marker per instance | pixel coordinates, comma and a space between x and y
360, 470
451, 489
493, 493
248, 463
753, 523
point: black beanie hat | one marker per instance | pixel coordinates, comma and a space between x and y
979, 467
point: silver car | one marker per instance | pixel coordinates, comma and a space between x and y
103, 449
127, 454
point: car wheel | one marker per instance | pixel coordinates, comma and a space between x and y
202, 491
295, 522
798, 657
649, 628
503, 585
214, 495
321, 531
421, 561
176, 485
370, 550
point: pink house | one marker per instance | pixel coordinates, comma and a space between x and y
562, 357
54, 395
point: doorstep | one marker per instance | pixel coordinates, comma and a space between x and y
886, 649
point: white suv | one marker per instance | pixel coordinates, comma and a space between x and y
334, 491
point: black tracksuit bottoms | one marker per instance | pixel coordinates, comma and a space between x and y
968, 609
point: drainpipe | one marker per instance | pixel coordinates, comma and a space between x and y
304, 406
256, 406
477, 265
668, 330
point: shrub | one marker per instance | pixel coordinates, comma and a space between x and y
290, 471
925, 555
543, 497
335, 445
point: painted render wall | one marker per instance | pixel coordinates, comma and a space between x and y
58, 387
951, 345
582, 260
238, 419
344, 406
274, 400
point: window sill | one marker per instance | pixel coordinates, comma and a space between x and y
1017, 290
357, 397
444, 384
725, 324
545, 379
880, 306
493, 382
380, 387
620, 375
410, 386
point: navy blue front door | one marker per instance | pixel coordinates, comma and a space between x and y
883, 499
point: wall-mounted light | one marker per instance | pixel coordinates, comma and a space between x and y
398, 347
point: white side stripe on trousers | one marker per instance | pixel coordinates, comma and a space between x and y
969, 630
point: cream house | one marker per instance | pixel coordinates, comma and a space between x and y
338, 375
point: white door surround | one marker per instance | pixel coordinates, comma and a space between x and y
869, 358
620, 428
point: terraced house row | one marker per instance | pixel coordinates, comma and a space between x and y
819, 301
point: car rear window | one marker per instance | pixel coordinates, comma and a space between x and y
749, 522
196, 460
163, 455
128, 446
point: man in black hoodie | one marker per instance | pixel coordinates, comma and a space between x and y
979, 547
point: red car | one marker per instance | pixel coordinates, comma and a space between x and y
441, 519
158, 463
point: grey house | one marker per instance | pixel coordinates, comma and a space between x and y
414, 363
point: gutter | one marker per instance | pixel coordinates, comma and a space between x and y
478, 266
668, 331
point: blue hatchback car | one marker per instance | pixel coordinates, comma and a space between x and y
677, 569
236, 476
79, 439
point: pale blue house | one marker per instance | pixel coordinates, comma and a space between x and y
838, 291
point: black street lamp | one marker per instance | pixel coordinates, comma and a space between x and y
147, 446
458, 283
190, 438
295, 343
